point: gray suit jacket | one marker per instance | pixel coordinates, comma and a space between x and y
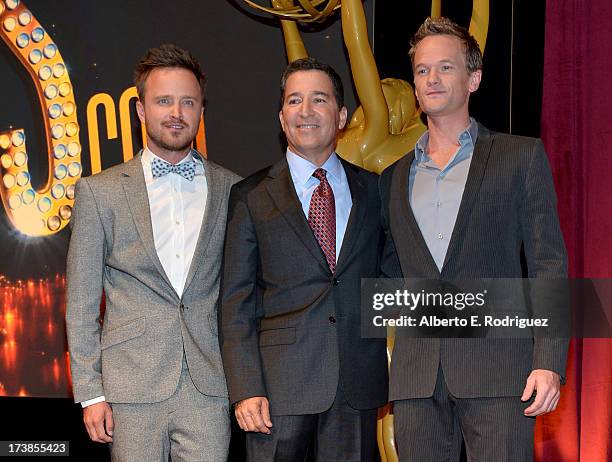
136, 355
291, 328
508, 202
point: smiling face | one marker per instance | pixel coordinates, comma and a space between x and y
442, 82
171, 110
310, 116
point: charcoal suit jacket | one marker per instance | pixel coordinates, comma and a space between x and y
508, 204
290, 329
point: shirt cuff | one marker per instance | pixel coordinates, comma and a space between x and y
89, 402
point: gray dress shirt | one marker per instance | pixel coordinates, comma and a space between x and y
435, 193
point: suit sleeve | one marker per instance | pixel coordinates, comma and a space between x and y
84, 272
239, 314
546, 258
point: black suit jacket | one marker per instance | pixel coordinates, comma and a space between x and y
290, 329
508, 203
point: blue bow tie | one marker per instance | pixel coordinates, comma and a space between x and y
186, 169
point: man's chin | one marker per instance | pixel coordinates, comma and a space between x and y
173, 145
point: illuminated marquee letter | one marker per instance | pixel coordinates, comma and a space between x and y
48, 210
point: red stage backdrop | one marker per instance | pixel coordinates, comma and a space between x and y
577, 133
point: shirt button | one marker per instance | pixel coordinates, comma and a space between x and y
177, 222
440, 236
178, 256
332, 319
438, 204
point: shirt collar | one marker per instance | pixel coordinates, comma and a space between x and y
467, 136
302, 169
148, 156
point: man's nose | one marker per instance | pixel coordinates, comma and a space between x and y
176, 110
305, 108
432, 77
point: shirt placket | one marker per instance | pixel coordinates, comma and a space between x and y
178, 240
436, 203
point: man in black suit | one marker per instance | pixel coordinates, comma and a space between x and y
300, 235
461, 206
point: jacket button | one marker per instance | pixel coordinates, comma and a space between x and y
183, 307
332, 319
336, 282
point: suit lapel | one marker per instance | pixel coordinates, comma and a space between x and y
281, 189
215, 183
359, 196
478, 165
138, 202
404, 218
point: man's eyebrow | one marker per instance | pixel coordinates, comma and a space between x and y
441, 61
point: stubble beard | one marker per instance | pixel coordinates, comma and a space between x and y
174, 145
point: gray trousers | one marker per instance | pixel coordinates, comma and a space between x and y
493, 429
188, 426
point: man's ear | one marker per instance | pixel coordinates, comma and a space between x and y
343, 117
282, 119
140, 110
475, 80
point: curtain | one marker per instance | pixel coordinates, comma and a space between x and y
577, 134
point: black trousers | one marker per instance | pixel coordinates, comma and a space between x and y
493, 429
339, 434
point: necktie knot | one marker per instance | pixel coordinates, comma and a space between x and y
324, 186
160, 167
320, 174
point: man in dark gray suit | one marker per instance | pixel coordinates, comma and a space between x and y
300, 235
460, 206
149, 233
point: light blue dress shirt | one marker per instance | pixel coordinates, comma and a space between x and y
435, 194
301, 173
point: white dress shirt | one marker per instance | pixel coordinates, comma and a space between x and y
177, 208
305, 184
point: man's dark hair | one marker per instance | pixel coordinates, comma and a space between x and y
444, 26
311, 64
166, 55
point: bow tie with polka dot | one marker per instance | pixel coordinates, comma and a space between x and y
185, 169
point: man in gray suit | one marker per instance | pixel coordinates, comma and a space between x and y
461, 206
300, 235
149, 235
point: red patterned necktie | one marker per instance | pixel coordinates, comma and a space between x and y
322, 217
